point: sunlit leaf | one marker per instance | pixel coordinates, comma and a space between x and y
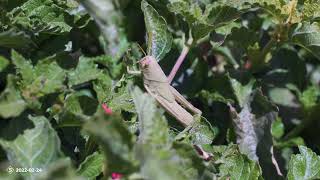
86, 71
159, 38
307, 35
43, 16
35, 148
11, 102
91, 167
44, 78
304, 165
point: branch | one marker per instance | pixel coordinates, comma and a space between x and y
180, 60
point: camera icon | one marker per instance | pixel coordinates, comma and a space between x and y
10, 169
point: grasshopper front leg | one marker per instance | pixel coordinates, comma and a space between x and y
133, 72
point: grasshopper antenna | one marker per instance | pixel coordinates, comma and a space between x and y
145, 54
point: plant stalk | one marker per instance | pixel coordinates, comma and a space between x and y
267, 48
180, 60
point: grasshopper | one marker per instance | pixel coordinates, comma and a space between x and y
158, 86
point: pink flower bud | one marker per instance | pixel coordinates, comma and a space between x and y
106, 109
116, 176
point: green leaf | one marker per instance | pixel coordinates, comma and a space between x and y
258, 58
253, 130
111, 26
242, 92
277, 128
243, 37
200, 132
161, 163
288, 68
307, 35
304, 165
209, 97
85, 71
161, 166
200, 22
49, 77
153, 148
279, 10
240, 167
309, 97
15, 39
159, 38
24, 67
103, 87
284, 97
76, 110
233, 164
11, 102
40, 16
76, 103
120, 98
293, 142
224, 51
7, 176
3, 63
91, 167
44, 78
192, 164
114, 67
311, 9
60, 169
223, 14
115, 139
192, 13
35, 148
153, 129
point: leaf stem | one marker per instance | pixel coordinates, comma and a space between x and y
267, 48
180, 60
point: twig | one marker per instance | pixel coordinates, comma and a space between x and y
180, 60
267, 48
275, 163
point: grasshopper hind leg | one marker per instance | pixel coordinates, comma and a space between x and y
173, 108
184, 102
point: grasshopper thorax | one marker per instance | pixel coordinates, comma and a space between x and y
151, 70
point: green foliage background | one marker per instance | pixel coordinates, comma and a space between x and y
253, 68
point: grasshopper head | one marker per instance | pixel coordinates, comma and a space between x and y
146, 61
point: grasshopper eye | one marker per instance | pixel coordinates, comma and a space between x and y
144, 63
